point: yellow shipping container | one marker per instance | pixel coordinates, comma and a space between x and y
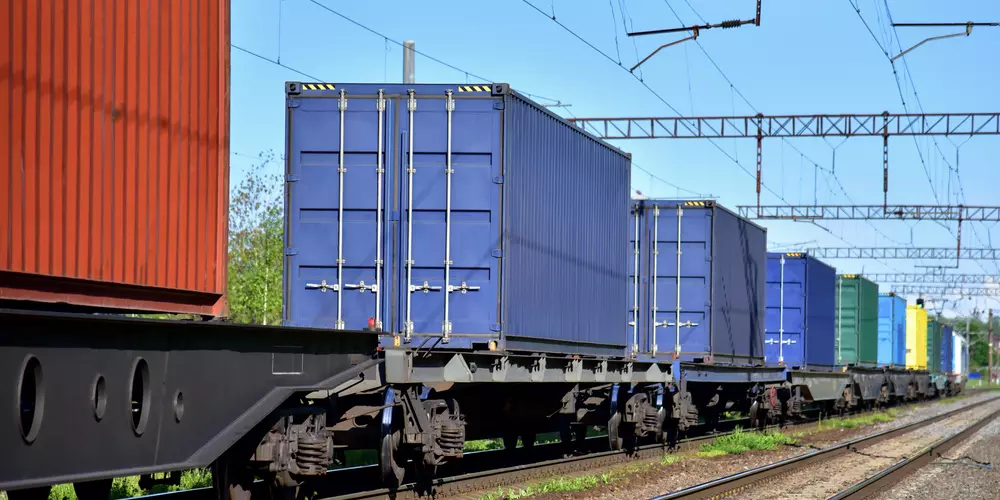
916, 338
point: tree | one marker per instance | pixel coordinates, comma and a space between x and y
256, 221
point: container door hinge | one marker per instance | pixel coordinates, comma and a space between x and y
498, 179
496, 327
292, 102
292, 178
498, 253
497, 104
394, 216
290, 252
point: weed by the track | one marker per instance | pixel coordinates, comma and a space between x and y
567, 484
741, 441
853, 422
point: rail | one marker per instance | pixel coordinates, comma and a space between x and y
744, 480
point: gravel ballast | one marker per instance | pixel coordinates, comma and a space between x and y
693, 470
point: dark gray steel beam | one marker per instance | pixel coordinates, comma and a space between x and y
872, 212
957, 279
71, 414
753, 127
945, 291
904, 253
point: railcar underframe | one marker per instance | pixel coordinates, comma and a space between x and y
92, 397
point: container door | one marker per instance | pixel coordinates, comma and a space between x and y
785, 311
680, 260
336, 223
449, 216
634, 313
847, 321
885, 329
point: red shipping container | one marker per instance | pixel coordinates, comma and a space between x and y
114, 138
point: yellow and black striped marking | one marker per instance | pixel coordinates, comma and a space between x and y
793, 254
474, 88
318, 86
694, 203
849, 276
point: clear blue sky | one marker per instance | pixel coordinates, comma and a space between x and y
806, 57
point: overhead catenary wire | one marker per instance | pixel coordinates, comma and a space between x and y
678, 113
737, 91
920, 106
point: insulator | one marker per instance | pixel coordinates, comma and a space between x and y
735, 23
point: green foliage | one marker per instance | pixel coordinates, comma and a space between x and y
669, 459
256, 229
739, 442
126, 487
484, 444
195, 478
62, 492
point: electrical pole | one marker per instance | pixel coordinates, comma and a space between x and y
989, 348
968, 336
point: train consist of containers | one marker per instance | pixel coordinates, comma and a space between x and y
488, 243
697, 283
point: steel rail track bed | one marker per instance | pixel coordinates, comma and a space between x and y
745, 480
894, 474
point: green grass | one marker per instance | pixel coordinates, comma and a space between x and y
853, 422
731, 415
485, 444
566, 484
127, 487
740, 441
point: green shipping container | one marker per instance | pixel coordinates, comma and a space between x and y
857, 321
933, 346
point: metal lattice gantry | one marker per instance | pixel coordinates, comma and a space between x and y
752, 127
872, 212
946, 291
904, 253
760, 126
917, 278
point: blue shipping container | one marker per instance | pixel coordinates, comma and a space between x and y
891, 330
457, 214
947, 350
800, 331
713, 308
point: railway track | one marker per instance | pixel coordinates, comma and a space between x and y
742, 483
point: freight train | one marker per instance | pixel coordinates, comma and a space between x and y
460, 263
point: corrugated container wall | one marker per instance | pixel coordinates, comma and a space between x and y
947, 350
114, 137
464, 212
933, 346
709, 262
857, 321
799, 329
916, 338
891, 330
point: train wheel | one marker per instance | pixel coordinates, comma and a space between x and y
757, 420
93, 490
391, 464
231, 478
39, 493
615, 439
528, 440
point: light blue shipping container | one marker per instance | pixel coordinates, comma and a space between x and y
458, 216
891, 330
